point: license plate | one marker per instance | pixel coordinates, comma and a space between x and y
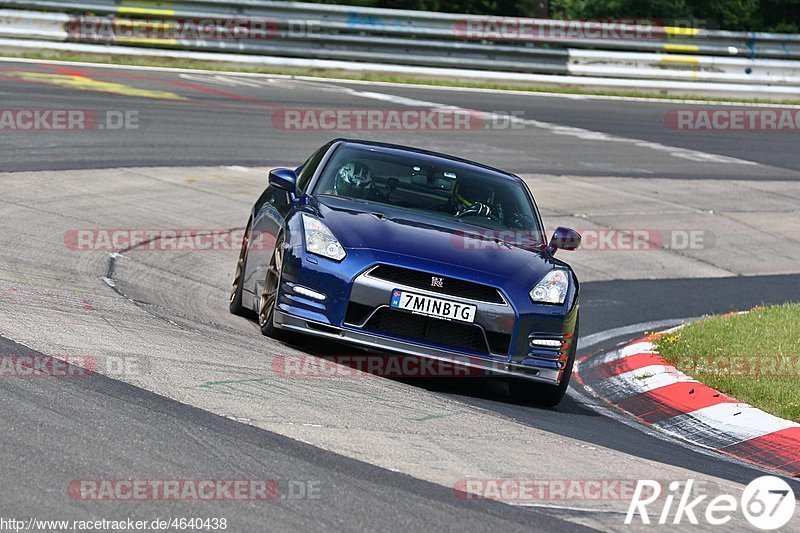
420, 304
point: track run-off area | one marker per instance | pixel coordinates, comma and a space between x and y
184, 390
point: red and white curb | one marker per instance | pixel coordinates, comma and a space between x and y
637, 380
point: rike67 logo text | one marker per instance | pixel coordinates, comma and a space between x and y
767, 503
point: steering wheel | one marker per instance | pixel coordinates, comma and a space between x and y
479, 210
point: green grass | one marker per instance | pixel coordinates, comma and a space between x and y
754, 357
344, 74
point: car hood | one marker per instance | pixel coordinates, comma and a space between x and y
417, 237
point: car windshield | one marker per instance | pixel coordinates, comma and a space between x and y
496, 206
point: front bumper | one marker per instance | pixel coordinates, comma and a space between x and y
503, 338
379, 342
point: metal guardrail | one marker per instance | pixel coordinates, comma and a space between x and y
421, 24
27, 25
413, 38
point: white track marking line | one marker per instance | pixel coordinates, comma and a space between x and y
594, 339
228, 81
558, 129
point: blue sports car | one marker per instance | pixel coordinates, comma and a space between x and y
413, 252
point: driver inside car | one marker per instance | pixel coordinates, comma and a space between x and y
354, 180
473, 199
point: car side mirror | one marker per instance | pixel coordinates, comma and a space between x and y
564, 239
284, 179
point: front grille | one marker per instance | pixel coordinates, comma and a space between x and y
453, 335
450, 286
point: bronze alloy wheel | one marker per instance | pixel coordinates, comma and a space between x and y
269, 294
235, 300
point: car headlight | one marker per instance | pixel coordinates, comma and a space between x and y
320, 240
552, 289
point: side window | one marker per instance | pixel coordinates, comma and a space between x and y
310, 167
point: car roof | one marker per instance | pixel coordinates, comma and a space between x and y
427, 154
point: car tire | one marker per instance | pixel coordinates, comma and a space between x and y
269, 293
532, 393
235, 302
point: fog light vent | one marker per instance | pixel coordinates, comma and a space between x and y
545, 343
304, 291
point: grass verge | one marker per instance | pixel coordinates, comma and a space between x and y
754, 356
365, 76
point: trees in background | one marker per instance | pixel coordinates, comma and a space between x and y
744, 15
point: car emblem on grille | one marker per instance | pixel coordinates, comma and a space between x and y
437, 282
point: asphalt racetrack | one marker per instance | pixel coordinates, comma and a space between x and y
191, 150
